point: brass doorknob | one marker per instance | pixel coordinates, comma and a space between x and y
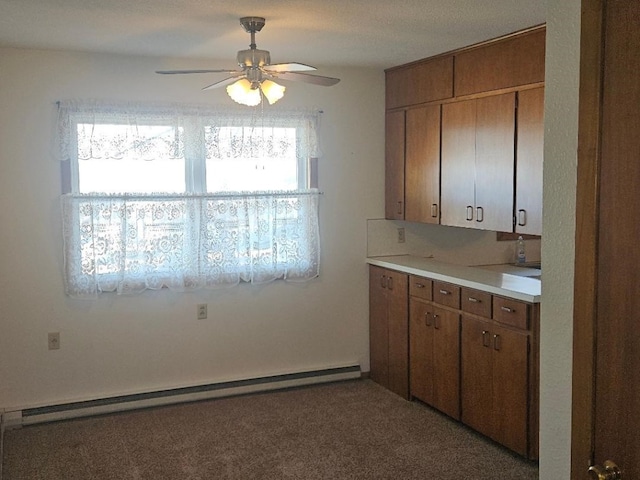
609, 471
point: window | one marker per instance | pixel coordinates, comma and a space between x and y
186, 197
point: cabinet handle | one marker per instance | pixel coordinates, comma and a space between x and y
507, 309
436, 321
383, 279
390, 283
496, 342
400, 207
469, 213
479, 214
474, 300
427, 316
445, 292
485, 336
434, 210
522, 217
419, 285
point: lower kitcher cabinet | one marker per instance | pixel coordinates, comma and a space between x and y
494, 385
389, 329
434, 356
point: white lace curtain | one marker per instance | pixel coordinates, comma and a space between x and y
185, 120
131, 242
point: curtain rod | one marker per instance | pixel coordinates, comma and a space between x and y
212, 196
98, 103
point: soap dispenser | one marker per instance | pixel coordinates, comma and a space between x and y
521, 256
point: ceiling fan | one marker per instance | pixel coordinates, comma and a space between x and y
257, 74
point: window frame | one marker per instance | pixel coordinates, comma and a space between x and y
191, 122
195, 173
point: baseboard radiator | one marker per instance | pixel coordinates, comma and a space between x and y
122, 403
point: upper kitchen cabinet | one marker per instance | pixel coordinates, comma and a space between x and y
510, 62
422, 165
529, 164
464, 136
394, 165
419, 82
477, 163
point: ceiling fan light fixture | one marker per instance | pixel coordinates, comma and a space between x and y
272, 91
242, 93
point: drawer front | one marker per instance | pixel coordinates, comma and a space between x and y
446, 294
420, 287
511, 312
476, 302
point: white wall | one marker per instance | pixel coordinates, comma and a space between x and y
116, 345
560, 161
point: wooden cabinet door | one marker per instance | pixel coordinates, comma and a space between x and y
446, 361
478, 163
389, 329
435, 356
457, 205
529, 157
422, 165
421, 350
378, 326
495, 380
420, 82
394, 165
476, 377
494, 166
398, 328
510, 392
511, 62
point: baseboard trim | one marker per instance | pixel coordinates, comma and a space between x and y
67, 411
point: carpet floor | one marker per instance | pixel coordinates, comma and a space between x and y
346, 430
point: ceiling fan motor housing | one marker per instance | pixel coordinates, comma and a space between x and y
253, 58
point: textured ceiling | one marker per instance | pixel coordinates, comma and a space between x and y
376, 33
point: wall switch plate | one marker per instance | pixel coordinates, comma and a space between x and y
202, 311
54, 341
401, 237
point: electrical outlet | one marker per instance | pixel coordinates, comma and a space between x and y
54, 341
202, 311
401, 235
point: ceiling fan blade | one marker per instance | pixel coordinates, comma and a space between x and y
305, 77
173, 72
289, 67
224, 82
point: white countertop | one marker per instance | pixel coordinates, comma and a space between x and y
490, 278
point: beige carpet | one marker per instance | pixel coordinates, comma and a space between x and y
347, 430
